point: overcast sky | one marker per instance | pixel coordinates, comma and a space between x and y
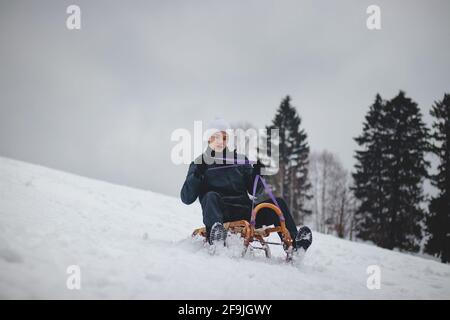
103, 101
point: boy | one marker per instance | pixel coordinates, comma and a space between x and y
223, 191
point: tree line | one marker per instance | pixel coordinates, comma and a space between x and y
382, 200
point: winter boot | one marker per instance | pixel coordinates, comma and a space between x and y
303, 239
218, 234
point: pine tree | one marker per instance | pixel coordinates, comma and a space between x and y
368, 178
291, 181
438, 222
407, 169
390, 171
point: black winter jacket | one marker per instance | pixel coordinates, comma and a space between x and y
232, 182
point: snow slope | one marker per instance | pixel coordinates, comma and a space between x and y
136, 244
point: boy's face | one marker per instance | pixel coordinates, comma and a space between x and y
218, 141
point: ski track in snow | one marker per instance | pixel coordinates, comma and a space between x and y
136, 244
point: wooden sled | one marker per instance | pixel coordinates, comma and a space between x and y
250, 234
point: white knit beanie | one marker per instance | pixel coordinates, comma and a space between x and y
217, 125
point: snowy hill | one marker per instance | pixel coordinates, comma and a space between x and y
136, 244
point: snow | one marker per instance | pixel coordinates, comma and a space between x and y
136, 244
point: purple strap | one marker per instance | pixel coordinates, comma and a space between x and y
269, 192
236, 161
233, 163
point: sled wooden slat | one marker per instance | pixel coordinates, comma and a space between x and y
250, 234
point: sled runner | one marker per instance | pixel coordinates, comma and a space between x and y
249, 232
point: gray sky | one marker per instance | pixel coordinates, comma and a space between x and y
102, 101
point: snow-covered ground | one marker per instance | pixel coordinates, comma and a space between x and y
136, 244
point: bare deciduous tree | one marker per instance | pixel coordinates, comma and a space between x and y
333, 202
